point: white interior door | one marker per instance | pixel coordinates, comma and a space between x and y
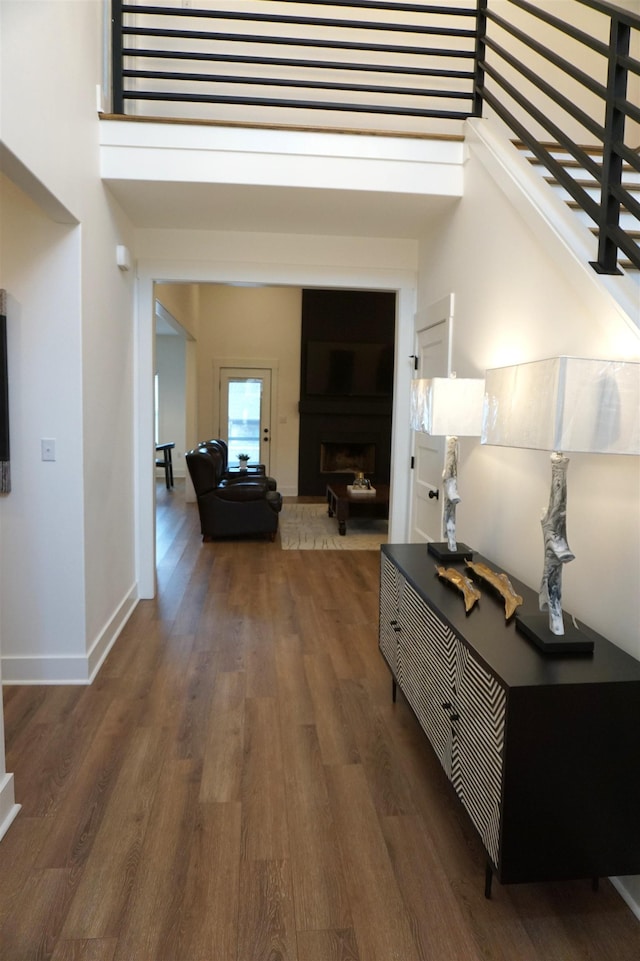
245, 413
433, 352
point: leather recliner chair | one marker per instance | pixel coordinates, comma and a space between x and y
231, 508
253, 470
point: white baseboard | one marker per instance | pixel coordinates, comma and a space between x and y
70, 669
110, 633
632, 898
8, 806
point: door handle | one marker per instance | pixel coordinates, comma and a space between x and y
435, 494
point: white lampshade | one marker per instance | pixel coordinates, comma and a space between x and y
564, 404
447, 406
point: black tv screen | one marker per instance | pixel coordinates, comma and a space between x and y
336, 369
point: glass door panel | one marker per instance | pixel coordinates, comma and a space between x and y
245, 413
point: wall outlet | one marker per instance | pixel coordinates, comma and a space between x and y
48, 449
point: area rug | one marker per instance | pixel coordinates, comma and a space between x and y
308, 527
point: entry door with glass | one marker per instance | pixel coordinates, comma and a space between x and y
245, 413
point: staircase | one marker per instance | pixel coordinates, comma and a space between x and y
631, 181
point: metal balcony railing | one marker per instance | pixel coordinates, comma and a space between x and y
402, 59
556, 86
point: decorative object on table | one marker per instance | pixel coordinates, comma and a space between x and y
243, 460
561, 404
464, 584
502, 585
361, 486
449, 407
5, 464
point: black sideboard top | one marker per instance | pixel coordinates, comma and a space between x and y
504, 650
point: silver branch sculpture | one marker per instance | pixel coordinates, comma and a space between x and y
451, 495
556, 549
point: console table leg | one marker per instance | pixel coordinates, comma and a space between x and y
488, 877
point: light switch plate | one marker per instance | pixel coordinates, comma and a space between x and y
48, 449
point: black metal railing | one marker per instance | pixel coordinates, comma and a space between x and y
359, 60
537, 95
419, 61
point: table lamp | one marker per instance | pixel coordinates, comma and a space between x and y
448, 407
563, 405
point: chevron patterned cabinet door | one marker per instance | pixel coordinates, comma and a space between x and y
427, 659
459, 705
478, 748
390, 579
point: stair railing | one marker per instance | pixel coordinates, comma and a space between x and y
417, 60
551, 110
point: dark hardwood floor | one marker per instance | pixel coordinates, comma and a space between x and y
237, 785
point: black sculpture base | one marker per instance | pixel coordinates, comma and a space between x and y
440, 549
535, 627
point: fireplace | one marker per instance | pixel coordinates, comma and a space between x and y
334, 446
347, 458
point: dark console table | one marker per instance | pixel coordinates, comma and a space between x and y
542, 751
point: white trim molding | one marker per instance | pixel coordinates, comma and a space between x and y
8, 806
71, 669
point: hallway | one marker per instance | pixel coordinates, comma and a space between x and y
237, 785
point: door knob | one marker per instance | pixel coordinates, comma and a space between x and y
435, 494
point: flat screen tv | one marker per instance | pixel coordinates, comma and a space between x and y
336, 369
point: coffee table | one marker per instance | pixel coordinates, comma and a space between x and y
343, 504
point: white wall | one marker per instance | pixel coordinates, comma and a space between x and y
182, 303
171, 371
516, 301
239, 324
66, 594
254, 324
42, 518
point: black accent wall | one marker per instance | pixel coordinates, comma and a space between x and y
358, 325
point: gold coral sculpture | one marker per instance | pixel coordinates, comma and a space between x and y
502, 585
464, 584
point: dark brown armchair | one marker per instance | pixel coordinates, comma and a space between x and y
230, 508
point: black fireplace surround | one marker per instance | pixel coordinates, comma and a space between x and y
346, 390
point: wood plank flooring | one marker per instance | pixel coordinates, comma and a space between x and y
237, 785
